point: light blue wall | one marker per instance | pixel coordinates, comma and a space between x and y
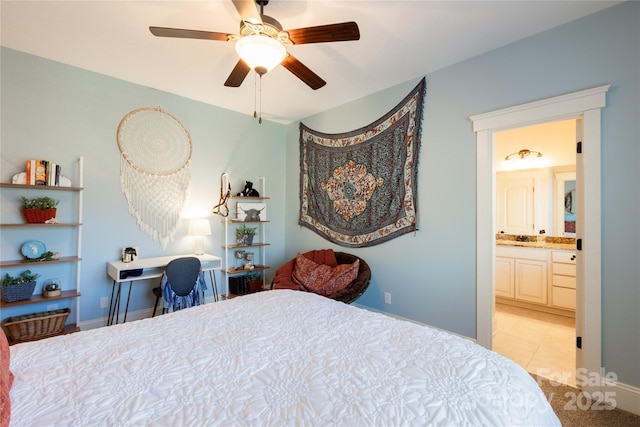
57, 112
431, 275
54, 111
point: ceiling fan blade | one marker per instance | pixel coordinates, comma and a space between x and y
302, 72
238, 74
344, 31
188, 34
248, 10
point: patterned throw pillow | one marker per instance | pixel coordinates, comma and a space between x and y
323, 279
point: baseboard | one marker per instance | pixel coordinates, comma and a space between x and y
395, 316
627, 398
142, 314
536, 307
131, 316
102, 321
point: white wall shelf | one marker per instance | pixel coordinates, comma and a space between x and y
231, 265
71, 283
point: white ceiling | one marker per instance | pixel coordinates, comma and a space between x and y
400, 41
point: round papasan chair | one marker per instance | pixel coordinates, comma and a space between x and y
283, 278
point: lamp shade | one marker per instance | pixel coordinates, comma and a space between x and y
261, 53
199, 227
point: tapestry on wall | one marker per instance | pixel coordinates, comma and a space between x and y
359, 188
155, 150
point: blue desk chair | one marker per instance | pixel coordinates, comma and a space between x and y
182, 285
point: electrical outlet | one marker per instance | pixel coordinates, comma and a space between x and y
387, 297
104, 302
51, 307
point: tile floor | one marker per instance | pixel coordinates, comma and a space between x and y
542, 343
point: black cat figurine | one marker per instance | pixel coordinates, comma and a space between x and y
249, 191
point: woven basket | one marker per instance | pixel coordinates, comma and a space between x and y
29, 327
17, 292
38, 216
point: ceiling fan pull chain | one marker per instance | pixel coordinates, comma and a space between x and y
260, 101
255, 95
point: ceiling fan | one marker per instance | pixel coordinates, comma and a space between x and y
260, 33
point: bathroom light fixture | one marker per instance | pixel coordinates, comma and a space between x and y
524, 159
199, 228
523, 154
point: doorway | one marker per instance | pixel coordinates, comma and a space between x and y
585, 105
534, 322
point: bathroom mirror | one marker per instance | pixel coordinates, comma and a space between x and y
570, 199
565, 205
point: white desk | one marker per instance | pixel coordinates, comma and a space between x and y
151, 268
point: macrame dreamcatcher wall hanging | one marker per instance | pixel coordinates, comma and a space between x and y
155, 150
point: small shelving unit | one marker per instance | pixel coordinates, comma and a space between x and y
75, 224
53, 261
229, 267
71, 285
39, 298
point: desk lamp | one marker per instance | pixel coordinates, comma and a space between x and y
199, 228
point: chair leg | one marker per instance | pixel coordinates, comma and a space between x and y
155, 306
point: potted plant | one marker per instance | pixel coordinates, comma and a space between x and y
39, 210
254, 282
244, 235
18, 288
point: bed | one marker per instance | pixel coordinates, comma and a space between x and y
275, 358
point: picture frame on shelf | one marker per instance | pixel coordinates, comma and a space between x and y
251, 211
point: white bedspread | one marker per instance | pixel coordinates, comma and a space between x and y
274, 358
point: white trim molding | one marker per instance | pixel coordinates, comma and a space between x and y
585, 105
131, 316
551, 109
627, 398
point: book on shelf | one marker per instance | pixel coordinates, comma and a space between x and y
42, 172
53, 173
31, 172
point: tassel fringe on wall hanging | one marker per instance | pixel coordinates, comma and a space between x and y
155, 151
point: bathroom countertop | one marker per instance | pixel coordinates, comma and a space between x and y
536, 241
540, 245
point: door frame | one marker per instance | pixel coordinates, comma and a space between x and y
585, 105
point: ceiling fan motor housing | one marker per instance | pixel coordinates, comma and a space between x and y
270, 27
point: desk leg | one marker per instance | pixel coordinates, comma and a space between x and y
214, 284
114, 305
126, 309
111, 304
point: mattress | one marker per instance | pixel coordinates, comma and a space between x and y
276, 358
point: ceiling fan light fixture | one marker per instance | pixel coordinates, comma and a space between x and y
260, 52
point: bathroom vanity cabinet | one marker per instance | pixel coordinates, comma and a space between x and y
536, 278
521, 274
563, 279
